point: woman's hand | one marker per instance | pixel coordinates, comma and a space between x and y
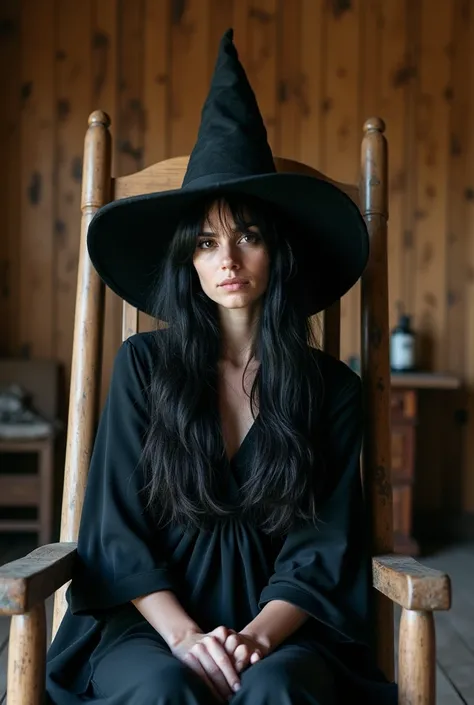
244, 650
207, 656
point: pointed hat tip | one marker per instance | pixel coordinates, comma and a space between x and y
227, 45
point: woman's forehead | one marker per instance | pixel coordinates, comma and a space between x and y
221, 220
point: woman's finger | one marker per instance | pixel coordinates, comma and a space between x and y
256, 656
231, 643
202, 653
194, 663
222, 633
223, 661
242, 656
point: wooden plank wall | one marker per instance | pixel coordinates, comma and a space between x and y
319, 68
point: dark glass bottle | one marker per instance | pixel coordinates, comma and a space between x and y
402, 346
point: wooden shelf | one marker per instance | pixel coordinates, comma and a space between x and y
23, 445
19, 525
424, 380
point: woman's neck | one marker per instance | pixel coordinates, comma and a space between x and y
238, 330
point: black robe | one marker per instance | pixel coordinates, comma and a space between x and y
106, 652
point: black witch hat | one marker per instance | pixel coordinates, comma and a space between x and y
128, 238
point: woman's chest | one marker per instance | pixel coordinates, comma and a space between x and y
235, 410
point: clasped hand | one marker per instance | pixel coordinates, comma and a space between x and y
219, 656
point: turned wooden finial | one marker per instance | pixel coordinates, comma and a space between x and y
96, 170
374, 124
99, 117
374, 168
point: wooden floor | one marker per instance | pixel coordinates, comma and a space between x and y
454, 629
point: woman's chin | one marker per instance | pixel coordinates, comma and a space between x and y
238, 300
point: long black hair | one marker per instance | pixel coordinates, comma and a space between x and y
184, 449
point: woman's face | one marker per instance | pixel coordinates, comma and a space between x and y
233, 266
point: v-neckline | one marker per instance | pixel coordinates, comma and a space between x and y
233, 458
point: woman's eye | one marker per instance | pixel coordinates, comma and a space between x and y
249, 237
252, 237
203, 244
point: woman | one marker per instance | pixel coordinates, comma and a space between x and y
223, 552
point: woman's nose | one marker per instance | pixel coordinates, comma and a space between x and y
229, 257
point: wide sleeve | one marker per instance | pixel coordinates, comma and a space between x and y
325, 569
119, 556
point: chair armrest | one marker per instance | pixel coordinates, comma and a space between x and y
31, 579
410, 584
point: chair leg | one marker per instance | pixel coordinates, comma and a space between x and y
27, 657
417, 658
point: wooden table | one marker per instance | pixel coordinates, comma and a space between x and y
406, 388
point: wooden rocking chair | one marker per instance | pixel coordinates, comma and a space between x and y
25, 584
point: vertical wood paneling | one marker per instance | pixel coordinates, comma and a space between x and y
105, 37
432, 145
290, 79
407, 235
372, 26
313, 31
263, 19
468, 470
395, 77
457, 236
256, 29
105, 97
9, 174
240, 12
459, 312
221, 14
370, 39
311, 122
129, 133
73, 105
157, 81
342, 129
156, 94
319, 68
190, 71
131, 57
37, 206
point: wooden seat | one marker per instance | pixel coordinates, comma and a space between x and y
26, 583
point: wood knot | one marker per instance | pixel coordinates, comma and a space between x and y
34, 188
339, 7
63, 109
403, 75
469, 194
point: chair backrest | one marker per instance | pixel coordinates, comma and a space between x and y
371, 197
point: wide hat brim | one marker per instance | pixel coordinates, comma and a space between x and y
128, 238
